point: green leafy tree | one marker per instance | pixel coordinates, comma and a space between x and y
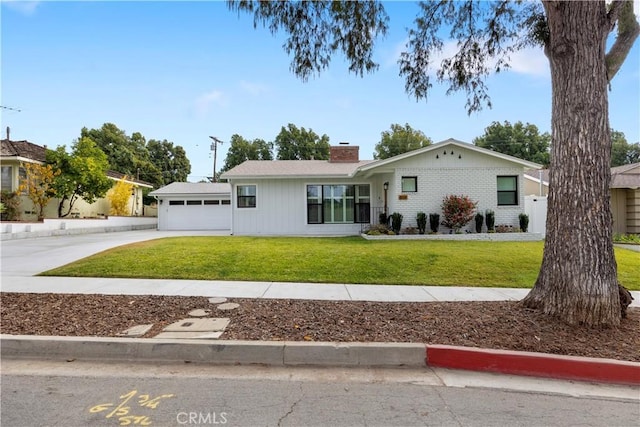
519, 140
169, 161
623, 153
83, 174
578, 276
400, 139
157, 162
301, 144
242, 149
122, 151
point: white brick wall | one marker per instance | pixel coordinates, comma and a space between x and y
472, 175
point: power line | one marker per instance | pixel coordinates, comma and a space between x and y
10, 108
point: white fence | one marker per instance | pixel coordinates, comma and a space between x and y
536, 208
62, 226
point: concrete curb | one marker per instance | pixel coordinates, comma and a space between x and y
335, 354
534, 364
275, 353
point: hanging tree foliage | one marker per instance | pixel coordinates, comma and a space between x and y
578, 278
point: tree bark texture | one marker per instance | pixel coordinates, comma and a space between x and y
578, 277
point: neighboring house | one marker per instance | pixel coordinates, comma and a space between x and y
15, 153
194, 206
344, 195
625, 194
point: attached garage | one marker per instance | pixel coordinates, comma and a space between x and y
194, 206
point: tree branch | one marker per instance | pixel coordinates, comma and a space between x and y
628, 31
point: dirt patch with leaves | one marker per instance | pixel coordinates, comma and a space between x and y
497, 325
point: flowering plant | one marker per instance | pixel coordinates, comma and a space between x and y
458, 211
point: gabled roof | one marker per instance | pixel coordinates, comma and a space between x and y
625, 176
192, 189
138, 182
294, 169
325, 169
534, 175
447, 143
22, 150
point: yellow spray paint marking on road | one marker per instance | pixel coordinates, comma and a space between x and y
122, 412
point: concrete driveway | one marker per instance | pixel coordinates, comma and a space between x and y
27, 257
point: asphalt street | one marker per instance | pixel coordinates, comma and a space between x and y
89, 394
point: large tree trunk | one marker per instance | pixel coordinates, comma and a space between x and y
578, 278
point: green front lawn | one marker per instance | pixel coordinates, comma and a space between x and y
331, 260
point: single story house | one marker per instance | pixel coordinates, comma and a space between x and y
625, 194
194, 206
344, 195
15, 153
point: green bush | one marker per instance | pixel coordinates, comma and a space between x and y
383, 219
434, 222
396, 222
633, 239
490, 218
524, 222
479, 221
378, 229
421, 219
11, 202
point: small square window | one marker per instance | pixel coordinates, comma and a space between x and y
409, 184
246, 196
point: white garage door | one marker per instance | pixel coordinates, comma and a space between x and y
198, 214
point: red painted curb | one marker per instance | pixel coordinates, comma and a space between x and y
534, 364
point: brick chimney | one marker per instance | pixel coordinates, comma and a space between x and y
344, 153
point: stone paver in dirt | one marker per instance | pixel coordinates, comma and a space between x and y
228, 306
136, 331
189, 335
207, 324
217, 300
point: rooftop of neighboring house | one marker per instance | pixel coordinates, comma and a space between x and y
118, 175
22, 150
625, 176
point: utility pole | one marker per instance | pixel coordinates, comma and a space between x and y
214, 148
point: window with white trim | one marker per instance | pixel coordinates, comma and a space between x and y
6, 177
246, 196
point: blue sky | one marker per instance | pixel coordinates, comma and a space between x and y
182, 71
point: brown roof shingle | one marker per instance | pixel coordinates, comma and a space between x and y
24, 149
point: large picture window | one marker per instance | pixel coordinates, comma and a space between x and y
338, 204
246, 196
507, 190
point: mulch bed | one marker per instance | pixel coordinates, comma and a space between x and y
497, 325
